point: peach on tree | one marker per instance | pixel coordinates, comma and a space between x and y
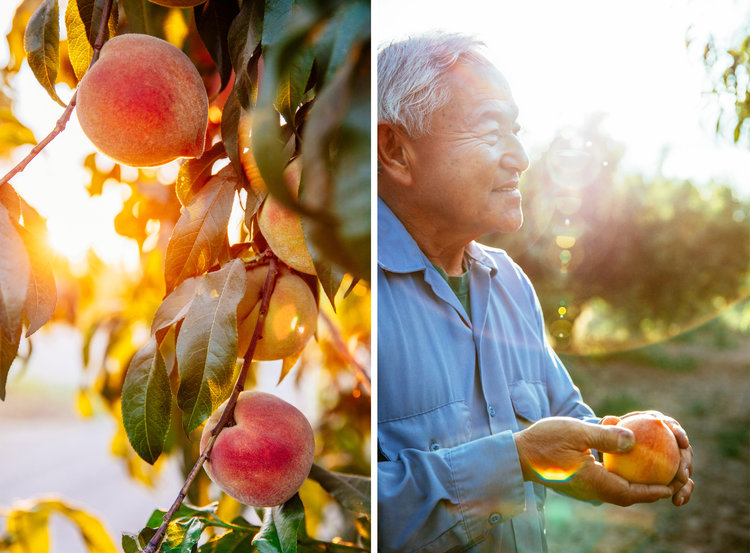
262, 459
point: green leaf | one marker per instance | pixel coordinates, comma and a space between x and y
350, 490
144, 16
230, 122
198, 236
213, 20
244, 41
291, 89
281, 526
336, 169
347, 27
14, 38
42, 44
82, 20
182, 535
275, 20
194, 173
232, 541
147, 402
183, 511
207, 344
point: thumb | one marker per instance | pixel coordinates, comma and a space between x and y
612, 439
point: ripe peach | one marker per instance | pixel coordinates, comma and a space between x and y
264, 458
655, 457
290, 321
282, 228
143, 102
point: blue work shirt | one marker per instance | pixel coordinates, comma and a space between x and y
451, 393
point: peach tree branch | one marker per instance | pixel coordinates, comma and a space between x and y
228, 413
65, 117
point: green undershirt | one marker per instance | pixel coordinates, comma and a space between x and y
460, 286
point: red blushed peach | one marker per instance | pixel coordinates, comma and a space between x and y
264, 458
655, 457
143, 102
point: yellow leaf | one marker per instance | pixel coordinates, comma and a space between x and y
28, 528
92, 530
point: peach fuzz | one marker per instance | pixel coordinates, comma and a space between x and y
655, 457
291, 319
143, 102
264, 458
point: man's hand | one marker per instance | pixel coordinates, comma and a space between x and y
556, 452
682, 486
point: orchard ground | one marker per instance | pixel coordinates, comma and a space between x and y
703, 380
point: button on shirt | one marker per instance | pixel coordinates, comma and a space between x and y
452, 389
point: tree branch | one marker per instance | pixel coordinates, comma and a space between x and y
63, 120
228, 413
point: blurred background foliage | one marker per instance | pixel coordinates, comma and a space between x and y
621, 259
111, 307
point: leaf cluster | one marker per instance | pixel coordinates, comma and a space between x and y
282, 529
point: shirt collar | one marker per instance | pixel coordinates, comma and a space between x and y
399, 253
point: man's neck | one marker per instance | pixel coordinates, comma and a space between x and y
440, 247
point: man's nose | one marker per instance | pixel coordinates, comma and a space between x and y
516, 158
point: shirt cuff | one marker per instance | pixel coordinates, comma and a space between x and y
488, 480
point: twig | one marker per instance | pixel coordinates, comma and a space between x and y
338, 341
227, 414
63, 120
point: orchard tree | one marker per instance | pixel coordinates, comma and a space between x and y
643, 258
266, 105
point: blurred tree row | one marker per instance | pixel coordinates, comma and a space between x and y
620, 259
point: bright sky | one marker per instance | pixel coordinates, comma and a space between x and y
567, 59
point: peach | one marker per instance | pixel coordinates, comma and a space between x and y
655, 457
143, 102
282, 227
263, 459
290, 321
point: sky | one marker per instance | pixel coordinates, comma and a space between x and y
564, 61
627, 60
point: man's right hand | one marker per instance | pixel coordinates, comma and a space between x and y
556, 452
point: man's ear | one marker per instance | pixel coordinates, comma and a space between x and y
394, 159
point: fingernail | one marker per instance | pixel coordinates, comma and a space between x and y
625, 440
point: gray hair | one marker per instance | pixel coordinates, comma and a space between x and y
412, 76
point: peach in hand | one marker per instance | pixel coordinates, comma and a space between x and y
264, 458
655, 457
143, 102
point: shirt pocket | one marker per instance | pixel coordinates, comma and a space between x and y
448, 425
530, 402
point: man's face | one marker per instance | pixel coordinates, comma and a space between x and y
466, 170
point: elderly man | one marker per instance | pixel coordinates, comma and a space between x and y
476, 413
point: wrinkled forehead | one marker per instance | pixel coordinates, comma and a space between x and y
475, 89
